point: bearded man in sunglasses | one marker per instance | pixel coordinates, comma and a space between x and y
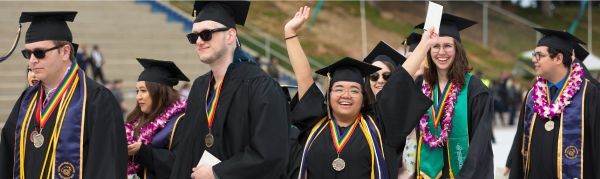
236, 112
66, 125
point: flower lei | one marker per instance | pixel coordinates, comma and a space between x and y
541, 103
147, 132
428, 138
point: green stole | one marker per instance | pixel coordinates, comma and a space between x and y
431, 161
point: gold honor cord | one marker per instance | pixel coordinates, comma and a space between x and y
12, 49
24, 136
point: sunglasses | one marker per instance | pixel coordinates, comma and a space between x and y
37, 53
205, 35
375, 76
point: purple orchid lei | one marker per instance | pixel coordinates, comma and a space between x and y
428, 138
542, 105
147, 132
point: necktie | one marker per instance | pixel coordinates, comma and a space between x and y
553, 92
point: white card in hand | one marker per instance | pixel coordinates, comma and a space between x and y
434, 16
208, 159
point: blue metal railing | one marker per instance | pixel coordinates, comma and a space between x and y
173, 15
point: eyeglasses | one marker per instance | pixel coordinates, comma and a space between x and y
537, 56
384, 75
447, 48
354, 92
205, 35
37, 53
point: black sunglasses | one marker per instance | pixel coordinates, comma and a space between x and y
38, 53
375, 76
205, 35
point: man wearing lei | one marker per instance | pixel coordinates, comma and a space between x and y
558, 135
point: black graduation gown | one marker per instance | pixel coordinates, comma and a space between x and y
398, 108
104, 149
480, 158
157, 159
250, 126
544, 144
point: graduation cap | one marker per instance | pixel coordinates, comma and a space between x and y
581, 53
227, 13
412, 41
348, 69
44, 26
286, 91
451, 25
383, 52
75, 47
560, 40
163, 72
48, 25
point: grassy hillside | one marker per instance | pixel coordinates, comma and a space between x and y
336, 32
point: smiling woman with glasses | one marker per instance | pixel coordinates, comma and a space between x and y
347, 135
454, 135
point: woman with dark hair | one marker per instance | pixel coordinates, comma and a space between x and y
342, 134
454, 135
151, 126
31, 79
387, 59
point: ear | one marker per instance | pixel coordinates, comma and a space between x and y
66, 52
231, 36
560, 57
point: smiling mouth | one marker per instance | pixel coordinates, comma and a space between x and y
443, 59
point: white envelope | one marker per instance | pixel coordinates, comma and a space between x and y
434, 16
208, 159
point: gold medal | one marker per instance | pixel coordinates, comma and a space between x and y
38, 140
338, 164
549, 125
209, 140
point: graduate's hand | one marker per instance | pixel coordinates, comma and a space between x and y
429, 37
506, 171
202, 172
293, 26
133, 148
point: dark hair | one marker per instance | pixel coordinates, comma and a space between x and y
566, 61
458, 69
162, 96
61, 43
368, 89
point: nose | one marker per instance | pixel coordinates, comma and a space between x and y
534, 60
442, 51
32, 59
346, 94
199, 41
138, 96
381, 80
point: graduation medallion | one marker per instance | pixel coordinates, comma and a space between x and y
209, 140
338, 164
549, 126
38, 140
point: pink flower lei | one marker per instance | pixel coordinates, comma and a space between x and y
428, 138
541, 104
147, 132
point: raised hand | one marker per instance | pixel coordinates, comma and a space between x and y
429, 37
301, 16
